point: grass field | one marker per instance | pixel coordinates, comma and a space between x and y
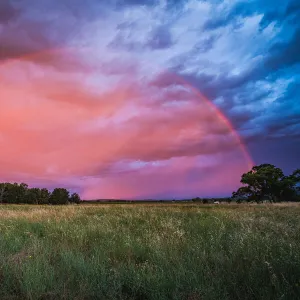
158, 251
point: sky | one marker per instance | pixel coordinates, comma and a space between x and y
137, 99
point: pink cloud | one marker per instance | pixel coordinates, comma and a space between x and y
127, 139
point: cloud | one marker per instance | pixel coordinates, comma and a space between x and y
284, 54
179, 182
138, 2
229, 15
7, 12
160, 38
24, 31
290, 13
233, 15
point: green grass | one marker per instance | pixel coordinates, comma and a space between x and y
149, 251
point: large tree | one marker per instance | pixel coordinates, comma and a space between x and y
267, 182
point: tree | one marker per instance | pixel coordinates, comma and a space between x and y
59, 196
75, 198
33, 196
242, 194
44, 196
267, 182
291, 188
37, 196
13, 192
2, 192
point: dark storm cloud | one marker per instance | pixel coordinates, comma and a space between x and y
281, 126
214, 86
291, 13
239, 119
7, 11
282, 117
242, 103
284, 54
236, 93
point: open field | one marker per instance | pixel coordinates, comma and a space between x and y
151, 251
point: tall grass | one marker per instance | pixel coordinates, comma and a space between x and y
150, 252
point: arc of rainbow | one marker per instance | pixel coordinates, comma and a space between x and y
219, 113
221, 116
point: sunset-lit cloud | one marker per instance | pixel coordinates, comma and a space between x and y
134, 139
146, 99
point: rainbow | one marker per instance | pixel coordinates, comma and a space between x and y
221, 116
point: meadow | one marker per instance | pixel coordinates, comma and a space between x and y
150, 251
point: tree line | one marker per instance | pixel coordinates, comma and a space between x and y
268, 183
15, 193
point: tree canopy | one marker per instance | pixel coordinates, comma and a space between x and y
15, 193
268, 183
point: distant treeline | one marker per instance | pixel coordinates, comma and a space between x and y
149, 201
15, 193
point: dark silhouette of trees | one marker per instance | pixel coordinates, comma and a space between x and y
59, 196
74, 198
44, 196
15, 193
268, 183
